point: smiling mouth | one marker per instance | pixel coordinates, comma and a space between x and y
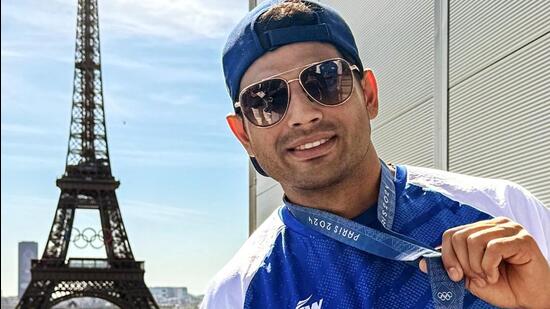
314, 149
312, 144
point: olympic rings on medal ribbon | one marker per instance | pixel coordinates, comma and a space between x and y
445, 296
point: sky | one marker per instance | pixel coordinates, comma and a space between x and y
184, 177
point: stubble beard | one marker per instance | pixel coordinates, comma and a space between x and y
330, 177
347, 165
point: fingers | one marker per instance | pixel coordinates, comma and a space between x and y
464, 248
456, 251
449, 257
477, 246
514, 249
423, 266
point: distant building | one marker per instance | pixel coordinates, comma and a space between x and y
9, 302
170, 295
28, 250
175, 298
169, 292
85, 302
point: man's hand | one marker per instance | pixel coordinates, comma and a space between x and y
501, 262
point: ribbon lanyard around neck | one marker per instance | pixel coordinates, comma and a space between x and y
390, 245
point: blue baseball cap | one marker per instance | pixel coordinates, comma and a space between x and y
252, 38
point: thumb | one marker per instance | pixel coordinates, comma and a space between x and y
423, 266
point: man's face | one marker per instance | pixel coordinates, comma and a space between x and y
313, 146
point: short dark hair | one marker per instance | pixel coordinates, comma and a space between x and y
288, 8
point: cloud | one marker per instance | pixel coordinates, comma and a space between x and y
12, 128
45, 132
23, 50
178, 158
10, 53
188, 20
27, 156
177, 20
26, 204
119, 106
41, 145
141, 209
125, 62
163, 213
180, 75
182, 100
27, 162
50, 17
28, 201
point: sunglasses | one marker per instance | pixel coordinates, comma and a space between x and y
328, 83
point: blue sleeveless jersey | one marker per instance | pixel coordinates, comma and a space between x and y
285, 264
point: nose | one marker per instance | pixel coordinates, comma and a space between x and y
302, 111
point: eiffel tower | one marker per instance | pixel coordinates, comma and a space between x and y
87, 184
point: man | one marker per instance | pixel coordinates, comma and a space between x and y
303, 106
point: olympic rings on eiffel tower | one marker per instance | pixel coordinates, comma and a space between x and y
91, 237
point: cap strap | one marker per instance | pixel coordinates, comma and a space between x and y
283, 36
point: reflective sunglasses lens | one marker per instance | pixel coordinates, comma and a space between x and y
265, 103
329, 82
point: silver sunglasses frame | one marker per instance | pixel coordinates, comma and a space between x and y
303, 68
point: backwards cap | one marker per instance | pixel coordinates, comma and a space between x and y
252, 38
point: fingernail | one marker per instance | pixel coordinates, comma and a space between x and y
453, 273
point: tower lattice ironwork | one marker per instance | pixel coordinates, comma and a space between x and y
87, 184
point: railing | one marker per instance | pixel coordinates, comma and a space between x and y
88, 263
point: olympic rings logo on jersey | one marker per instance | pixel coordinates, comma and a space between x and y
91, 237
445, 296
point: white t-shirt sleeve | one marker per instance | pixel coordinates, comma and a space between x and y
227, 294
525, 209
228, 288
495, 197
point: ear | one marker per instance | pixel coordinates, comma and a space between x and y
236, 124
370, 92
